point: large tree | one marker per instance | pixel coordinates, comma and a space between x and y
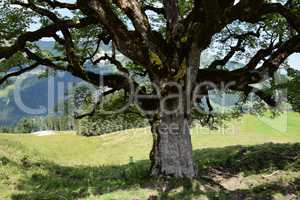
165, 41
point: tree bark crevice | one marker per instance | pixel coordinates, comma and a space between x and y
172, 154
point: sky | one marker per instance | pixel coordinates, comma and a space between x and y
294, 61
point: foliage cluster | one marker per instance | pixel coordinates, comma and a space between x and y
109, 116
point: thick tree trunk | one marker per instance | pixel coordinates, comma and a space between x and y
172, 152
172, 148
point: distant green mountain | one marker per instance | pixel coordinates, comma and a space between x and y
34, 91
34, 94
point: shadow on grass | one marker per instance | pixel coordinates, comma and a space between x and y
59, 182
284, 191
51, 181
249, 159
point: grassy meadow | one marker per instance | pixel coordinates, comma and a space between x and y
251, 158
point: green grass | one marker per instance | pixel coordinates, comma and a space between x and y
67, 166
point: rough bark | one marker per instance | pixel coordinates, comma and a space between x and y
172, 148
172, 154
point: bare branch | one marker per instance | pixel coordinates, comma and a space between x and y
172, 12
226, 59
57, 4
160, 11
134, 11
95, 106
114, 61
17, 73
48, 31
128, 42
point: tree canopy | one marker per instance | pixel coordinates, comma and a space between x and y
151, 34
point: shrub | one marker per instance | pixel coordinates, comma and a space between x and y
102, 122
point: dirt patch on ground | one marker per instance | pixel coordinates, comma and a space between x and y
43, 133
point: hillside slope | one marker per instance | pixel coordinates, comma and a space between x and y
67, 166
